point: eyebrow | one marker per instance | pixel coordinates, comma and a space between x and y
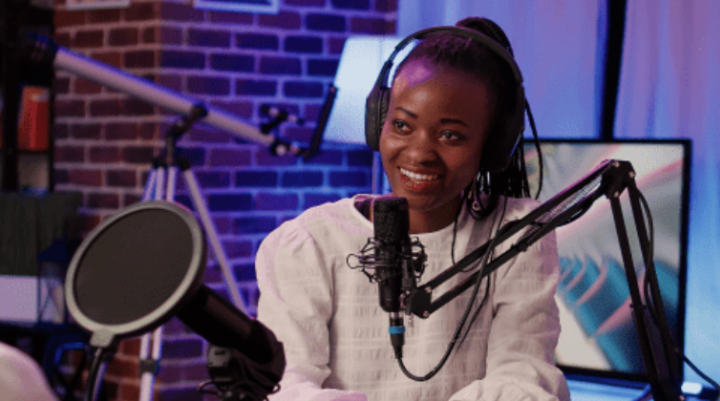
442, 121
453, 121
410, 113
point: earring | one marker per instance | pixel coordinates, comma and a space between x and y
474, 193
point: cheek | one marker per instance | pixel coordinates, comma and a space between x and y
387, 149
389, 144
465, 163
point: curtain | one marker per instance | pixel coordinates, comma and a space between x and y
670, 88
558, 45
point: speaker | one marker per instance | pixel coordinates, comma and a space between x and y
500, 147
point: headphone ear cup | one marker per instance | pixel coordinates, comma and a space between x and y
375, 112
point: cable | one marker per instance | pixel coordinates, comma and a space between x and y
697, 370
531, 119
93, 384
464, 318
652, 307
487, 282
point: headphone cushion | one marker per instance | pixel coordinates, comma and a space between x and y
375, 112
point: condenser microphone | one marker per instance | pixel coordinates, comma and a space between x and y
391, 226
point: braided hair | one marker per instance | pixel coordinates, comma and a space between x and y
467, 55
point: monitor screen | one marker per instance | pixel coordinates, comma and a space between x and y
598, 336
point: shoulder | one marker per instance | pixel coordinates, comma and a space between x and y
510, 209
518, 208
318, 216
320, 222
22, 377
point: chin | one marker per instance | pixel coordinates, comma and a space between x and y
421, 203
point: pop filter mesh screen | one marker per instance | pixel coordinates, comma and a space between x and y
133, 266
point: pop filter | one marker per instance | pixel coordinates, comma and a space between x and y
136, 270
144, 265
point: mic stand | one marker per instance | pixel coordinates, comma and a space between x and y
610, 179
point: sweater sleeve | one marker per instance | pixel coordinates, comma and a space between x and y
295, 302
524, 331
21, 378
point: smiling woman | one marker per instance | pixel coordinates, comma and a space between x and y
447, 131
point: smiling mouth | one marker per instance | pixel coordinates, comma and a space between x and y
418, 177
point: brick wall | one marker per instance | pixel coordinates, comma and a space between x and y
105, 141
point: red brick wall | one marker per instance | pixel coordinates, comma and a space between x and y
105, 141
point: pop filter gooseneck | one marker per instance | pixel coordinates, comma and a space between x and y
144, 265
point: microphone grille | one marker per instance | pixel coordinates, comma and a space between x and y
390, 219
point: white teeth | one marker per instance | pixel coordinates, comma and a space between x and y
418, 177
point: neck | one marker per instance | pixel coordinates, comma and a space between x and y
427, 221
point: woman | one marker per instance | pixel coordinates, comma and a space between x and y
449, 98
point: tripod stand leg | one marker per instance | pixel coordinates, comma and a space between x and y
149, 191
149, 366
171, 180
155, 190
214, 240
159, 184
146, 376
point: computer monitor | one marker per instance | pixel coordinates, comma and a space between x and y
598, 339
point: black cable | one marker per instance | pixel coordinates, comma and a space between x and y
697, 370
651, 257
457, 216
93, 384
531, 119
487, 281
652, 307
464, 318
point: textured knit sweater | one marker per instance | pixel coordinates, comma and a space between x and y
335, 334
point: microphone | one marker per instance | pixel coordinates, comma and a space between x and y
391, 226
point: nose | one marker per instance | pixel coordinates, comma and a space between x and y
423, 148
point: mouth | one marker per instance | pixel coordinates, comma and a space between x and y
417, 181
417, 176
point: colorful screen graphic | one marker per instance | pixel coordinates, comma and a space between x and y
598, 333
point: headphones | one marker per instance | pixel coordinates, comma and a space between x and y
499, 147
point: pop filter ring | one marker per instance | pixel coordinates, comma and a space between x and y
105, 334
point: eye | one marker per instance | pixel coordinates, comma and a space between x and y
451, 135
400, 126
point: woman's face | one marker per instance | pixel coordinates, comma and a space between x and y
432, 139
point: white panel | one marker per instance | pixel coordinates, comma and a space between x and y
360, 63
18, 299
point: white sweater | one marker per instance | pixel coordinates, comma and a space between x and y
336, 337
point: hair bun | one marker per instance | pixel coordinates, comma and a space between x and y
488, 28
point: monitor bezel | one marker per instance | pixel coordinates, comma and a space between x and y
621, 378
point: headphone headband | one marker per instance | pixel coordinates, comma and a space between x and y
479, 37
